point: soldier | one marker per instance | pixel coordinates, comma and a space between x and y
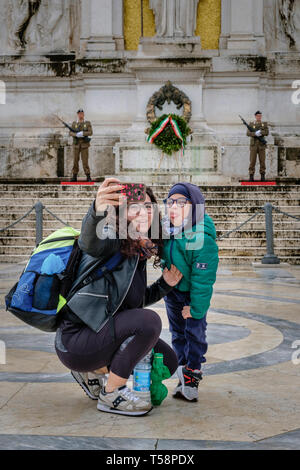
83, 129
257, 147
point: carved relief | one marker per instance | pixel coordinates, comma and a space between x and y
282, 24
48, 25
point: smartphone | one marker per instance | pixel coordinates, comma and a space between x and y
135, 192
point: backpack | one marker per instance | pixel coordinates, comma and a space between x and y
38, 297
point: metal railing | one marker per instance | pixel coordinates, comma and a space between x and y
267, 209
39, 217
269, 257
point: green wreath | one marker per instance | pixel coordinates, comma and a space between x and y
169, 136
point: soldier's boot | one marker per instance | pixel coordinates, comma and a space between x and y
74, 179
263, 177
88, 178
251, 178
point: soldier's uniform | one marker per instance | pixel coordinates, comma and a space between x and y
257, 147
80, 147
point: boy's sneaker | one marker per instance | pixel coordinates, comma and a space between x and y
177, 391
189, 383
123, 401
91, 383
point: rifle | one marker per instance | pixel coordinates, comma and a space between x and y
85, 139
260, 138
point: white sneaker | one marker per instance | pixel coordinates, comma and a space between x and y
90, 382
189, 383
123, 401
177, 392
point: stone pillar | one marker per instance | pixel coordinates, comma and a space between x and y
242, 26
117, 25
102, 26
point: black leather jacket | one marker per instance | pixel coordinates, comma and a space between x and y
96, 302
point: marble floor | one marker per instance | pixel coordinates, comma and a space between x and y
249, 398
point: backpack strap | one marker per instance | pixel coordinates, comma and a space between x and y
68, 275
96, 274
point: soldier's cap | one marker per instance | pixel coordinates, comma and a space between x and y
80, 111
257, 112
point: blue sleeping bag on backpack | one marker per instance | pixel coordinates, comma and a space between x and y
49, 279
38, 297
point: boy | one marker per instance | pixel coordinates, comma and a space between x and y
196, 257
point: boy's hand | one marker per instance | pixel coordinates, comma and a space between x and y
186, 312
172, 276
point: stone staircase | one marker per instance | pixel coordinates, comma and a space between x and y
229, 206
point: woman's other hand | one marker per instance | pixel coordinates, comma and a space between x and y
172, 276
186, 312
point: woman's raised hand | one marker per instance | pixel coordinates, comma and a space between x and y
172, 276
107, 194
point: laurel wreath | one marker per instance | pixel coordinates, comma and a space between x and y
167, 140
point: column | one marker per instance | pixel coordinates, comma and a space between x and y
242, 26
102, 26
117, 24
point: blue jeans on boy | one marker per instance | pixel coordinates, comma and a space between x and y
188, 336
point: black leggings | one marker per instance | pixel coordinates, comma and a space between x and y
88, 351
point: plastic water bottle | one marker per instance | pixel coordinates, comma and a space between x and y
142, 377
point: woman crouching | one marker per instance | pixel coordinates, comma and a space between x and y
101, 316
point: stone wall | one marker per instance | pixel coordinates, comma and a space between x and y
78, 59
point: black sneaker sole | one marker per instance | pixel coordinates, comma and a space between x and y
83, 385
108, 409
179, 396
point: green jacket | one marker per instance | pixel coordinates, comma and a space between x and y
196, 256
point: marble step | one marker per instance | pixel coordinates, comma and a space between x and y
259, 251
159, 194
221, 226
247, 260
221, 221
232, 241
238, 213
218, 215
254, 243
83, 194
229, 206
237, 203
56, 188
224, 259
230, 249
24, 233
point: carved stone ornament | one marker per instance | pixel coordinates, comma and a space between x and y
168, 93
49, 25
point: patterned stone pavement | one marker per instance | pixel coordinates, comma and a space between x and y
249, 398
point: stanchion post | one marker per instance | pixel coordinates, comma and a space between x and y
270, 257
38, 222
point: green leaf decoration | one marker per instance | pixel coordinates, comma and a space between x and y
167, 140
